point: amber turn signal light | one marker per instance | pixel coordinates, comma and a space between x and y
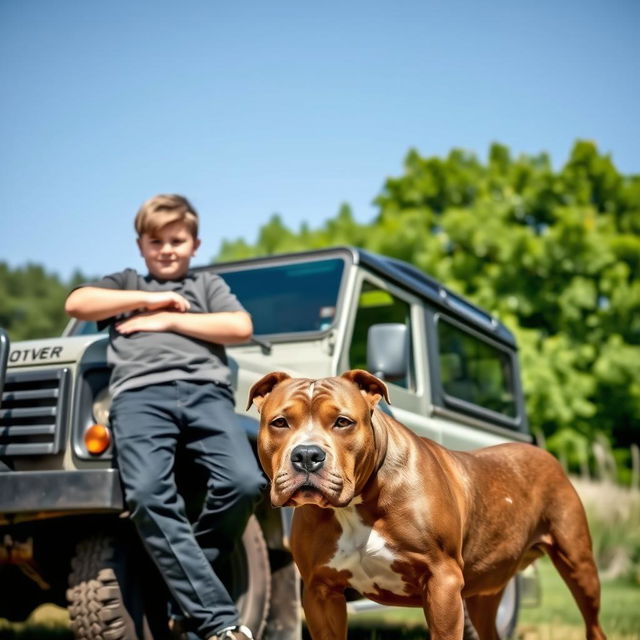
97, 439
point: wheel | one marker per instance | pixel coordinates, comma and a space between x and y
248, 578
115, 593
507, 617
106, 596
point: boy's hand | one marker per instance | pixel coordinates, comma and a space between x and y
146, 321
230, 327
169, 300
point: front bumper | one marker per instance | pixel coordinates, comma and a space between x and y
37, 494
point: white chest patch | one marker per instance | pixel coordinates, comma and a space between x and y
364, 553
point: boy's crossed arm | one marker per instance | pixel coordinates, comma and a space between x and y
97, 303
163, 311
226, 327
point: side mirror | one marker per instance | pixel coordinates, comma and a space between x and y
388, 351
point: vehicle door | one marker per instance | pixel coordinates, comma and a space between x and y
377, 302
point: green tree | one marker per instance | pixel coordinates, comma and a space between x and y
555, 254
32, 301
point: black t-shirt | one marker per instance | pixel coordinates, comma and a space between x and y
152, 357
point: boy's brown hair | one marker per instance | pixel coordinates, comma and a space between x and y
161, 210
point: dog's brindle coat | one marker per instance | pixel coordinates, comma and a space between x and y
404, 520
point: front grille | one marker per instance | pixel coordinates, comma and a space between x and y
34, 412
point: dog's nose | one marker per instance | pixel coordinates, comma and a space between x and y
308, 457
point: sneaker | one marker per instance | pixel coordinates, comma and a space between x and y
239, 632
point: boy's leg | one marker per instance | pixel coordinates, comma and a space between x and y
147, 423
218, 444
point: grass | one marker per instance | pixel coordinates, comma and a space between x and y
47, 622
556, 618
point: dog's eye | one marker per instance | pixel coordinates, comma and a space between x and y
279, 423
342, 422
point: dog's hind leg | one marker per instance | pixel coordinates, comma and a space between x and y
570, 551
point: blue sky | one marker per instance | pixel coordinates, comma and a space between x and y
253, 108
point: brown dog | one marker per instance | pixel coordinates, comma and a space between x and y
405, 521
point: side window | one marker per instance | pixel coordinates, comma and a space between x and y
475, 371
376, 306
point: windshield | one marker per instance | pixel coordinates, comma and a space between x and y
287, 298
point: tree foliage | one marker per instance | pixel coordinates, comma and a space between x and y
32, 301
555, 254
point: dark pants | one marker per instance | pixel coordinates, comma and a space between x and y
150, 424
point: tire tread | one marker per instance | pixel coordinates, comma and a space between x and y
95, 600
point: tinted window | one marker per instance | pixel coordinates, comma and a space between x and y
375, 306
289, 298
475, 371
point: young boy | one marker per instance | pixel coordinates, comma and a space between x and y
171, 387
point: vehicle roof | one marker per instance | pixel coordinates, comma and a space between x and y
400, 273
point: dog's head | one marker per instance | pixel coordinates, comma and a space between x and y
316, 440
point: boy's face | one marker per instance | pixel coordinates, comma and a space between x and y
168, 252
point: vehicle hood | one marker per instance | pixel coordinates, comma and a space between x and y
54, 350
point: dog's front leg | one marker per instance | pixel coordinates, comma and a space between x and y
443, 607
325, 611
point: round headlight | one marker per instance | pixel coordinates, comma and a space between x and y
101, 407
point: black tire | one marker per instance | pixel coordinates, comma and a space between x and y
249, 580
105, 592
112, 596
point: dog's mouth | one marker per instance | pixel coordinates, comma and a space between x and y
324, 490
308, 493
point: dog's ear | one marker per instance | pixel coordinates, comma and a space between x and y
373, 388
261, 389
